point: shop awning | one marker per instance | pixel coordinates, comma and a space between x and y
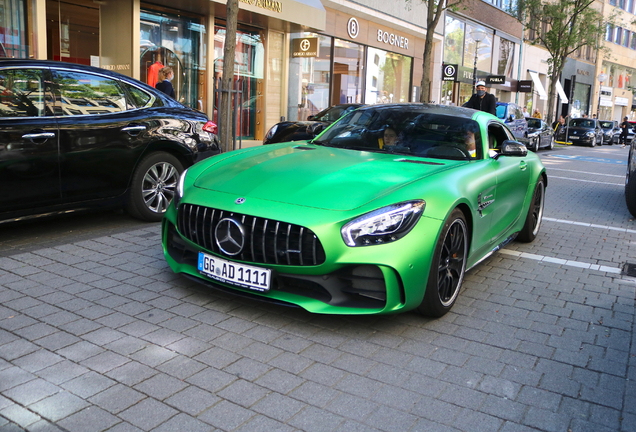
559, 88
309, 13
538, 86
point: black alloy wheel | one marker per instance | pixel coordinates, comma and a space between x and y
447, 268
535, 214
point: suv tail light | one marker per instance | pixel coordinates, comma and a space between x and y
211, 127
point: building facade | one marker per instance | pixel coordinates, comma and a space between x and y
615, 74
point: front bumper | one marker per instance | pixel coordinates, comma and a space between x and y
353, 283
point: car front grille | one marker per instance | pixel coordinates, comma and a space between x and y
266, 241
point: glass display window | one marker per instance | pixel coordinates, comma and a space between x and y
388, 77
454, 41
309, 79
347, 72
177, 41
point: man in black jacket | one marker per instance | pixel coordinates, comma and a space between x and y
482, 100
625, 127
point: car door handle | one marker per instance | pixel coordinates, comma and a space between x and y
523, 166
134, 130
38, 136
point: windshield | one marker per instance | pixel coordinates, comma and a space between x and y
414, 131
607, 125
333, 113
583, 123
534, 122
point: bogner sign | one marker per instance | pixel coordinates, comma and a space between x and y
385, 37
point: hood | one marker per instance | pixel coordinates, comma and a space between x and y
315, 176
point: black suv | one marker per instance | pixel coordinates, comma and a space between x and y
74, 137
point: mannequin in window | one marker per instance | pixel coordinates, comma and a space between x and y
153, 71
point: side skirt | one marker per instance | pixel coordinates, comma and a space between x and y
495, 249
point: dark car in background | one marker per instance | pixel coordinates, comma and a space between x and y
306, 130
610, 131
582, 131
513, 117
74, 137
540, 134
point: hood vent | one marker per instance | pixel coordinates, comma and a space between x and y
419, 162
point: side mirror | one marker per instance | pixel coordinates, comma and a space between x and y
513, 148
316, 128
310, 117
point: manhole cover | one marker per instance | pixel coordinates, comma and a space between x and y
629, 269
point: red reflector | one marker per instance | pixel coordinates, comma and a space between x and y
211, 127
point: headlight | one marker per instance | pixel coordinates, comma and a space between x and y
384, 225
590, 134
180, 186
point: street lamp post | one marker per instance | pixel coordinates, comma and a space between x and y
478, 35
601, 79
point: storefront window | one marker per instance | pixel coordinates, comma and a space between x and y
447, 93
454, 41
347, 72
388, 77
249, 64
14, 41
506, 56
484, 50
309, 79
73, 31
581, 100
175, 41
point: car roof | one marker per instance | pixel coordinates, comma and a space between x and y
467, 113
57, 65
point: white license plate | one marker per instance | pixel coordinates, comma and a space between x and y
244, 276
574, 137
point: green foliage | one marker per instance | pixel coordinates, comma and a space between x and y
563, 26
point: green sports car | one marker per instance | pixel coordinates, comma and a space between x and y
382, 212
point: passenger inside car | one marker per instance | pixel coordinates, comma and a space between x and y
389, 138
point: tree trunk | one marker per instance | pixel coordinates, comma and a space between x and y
425, 94
229, 52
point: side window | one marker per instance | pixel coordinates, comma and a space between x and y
496, 136
138, 98
22, 93
82, 93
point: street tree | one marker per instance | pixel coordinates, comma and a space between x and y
227, 80
562, 27
435, 10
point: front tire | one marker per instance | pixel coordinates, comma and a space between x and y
535, 214
153, 186
447, 267
535, 145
